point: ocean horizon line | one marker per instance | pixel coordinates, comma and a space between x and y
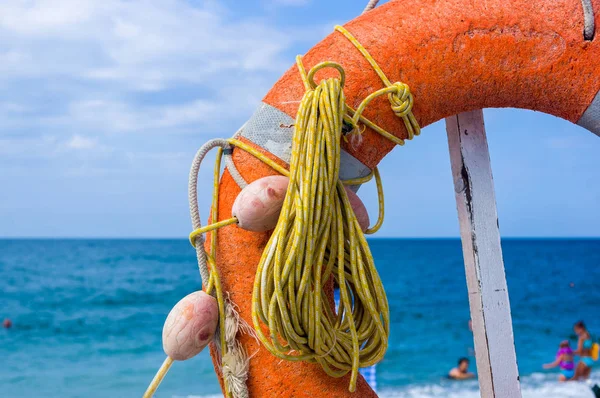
178, 238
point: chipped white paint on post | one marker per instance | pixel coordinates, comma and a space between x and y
486, 280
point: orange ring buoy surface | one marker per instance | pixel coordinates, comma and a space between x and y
456, 56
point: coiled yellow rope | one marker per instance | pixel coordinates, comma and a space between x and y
318, 238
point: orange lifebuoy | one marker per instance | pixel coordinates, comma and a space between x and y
455, 56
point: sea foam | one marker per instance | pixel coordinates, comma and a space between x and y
537, 385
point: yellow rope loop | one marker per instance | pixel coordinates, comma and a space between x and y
210, 227
302, 71
323, 65
380, 200
257, 154
365, 54
376, 128
359, 180
399, 95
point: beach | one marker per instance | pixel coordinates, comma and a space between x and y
87, 315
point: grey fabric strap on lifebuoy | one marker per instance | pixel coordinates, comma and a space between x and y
271, 129
591, 117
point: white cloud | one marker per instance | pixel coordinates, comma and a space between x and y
122, 117
102, 66
80, 142
144, 45
76, 74
108, 116
44, 17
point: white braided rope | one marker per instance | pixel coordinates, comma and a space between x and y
234, 364
235, 174
193, 199
588, 20
370, 5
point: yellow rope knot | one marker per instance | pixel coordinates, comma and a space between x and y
401, 99
399, 94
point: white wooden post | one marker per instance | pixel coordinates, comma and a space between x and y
486, 280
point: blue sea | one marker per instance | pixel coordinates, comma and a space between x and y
88, 315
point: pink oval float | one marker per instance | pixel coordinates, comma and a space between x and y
258, 206
190, 326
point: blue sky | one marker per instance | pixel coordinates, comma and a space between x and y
104, 103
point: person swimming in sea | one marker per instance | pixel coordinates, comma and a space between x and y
564, 360
584, 350
461, 372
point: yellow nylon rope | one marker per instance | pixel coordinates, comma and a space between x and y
215, 280
317, 238
158, 378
